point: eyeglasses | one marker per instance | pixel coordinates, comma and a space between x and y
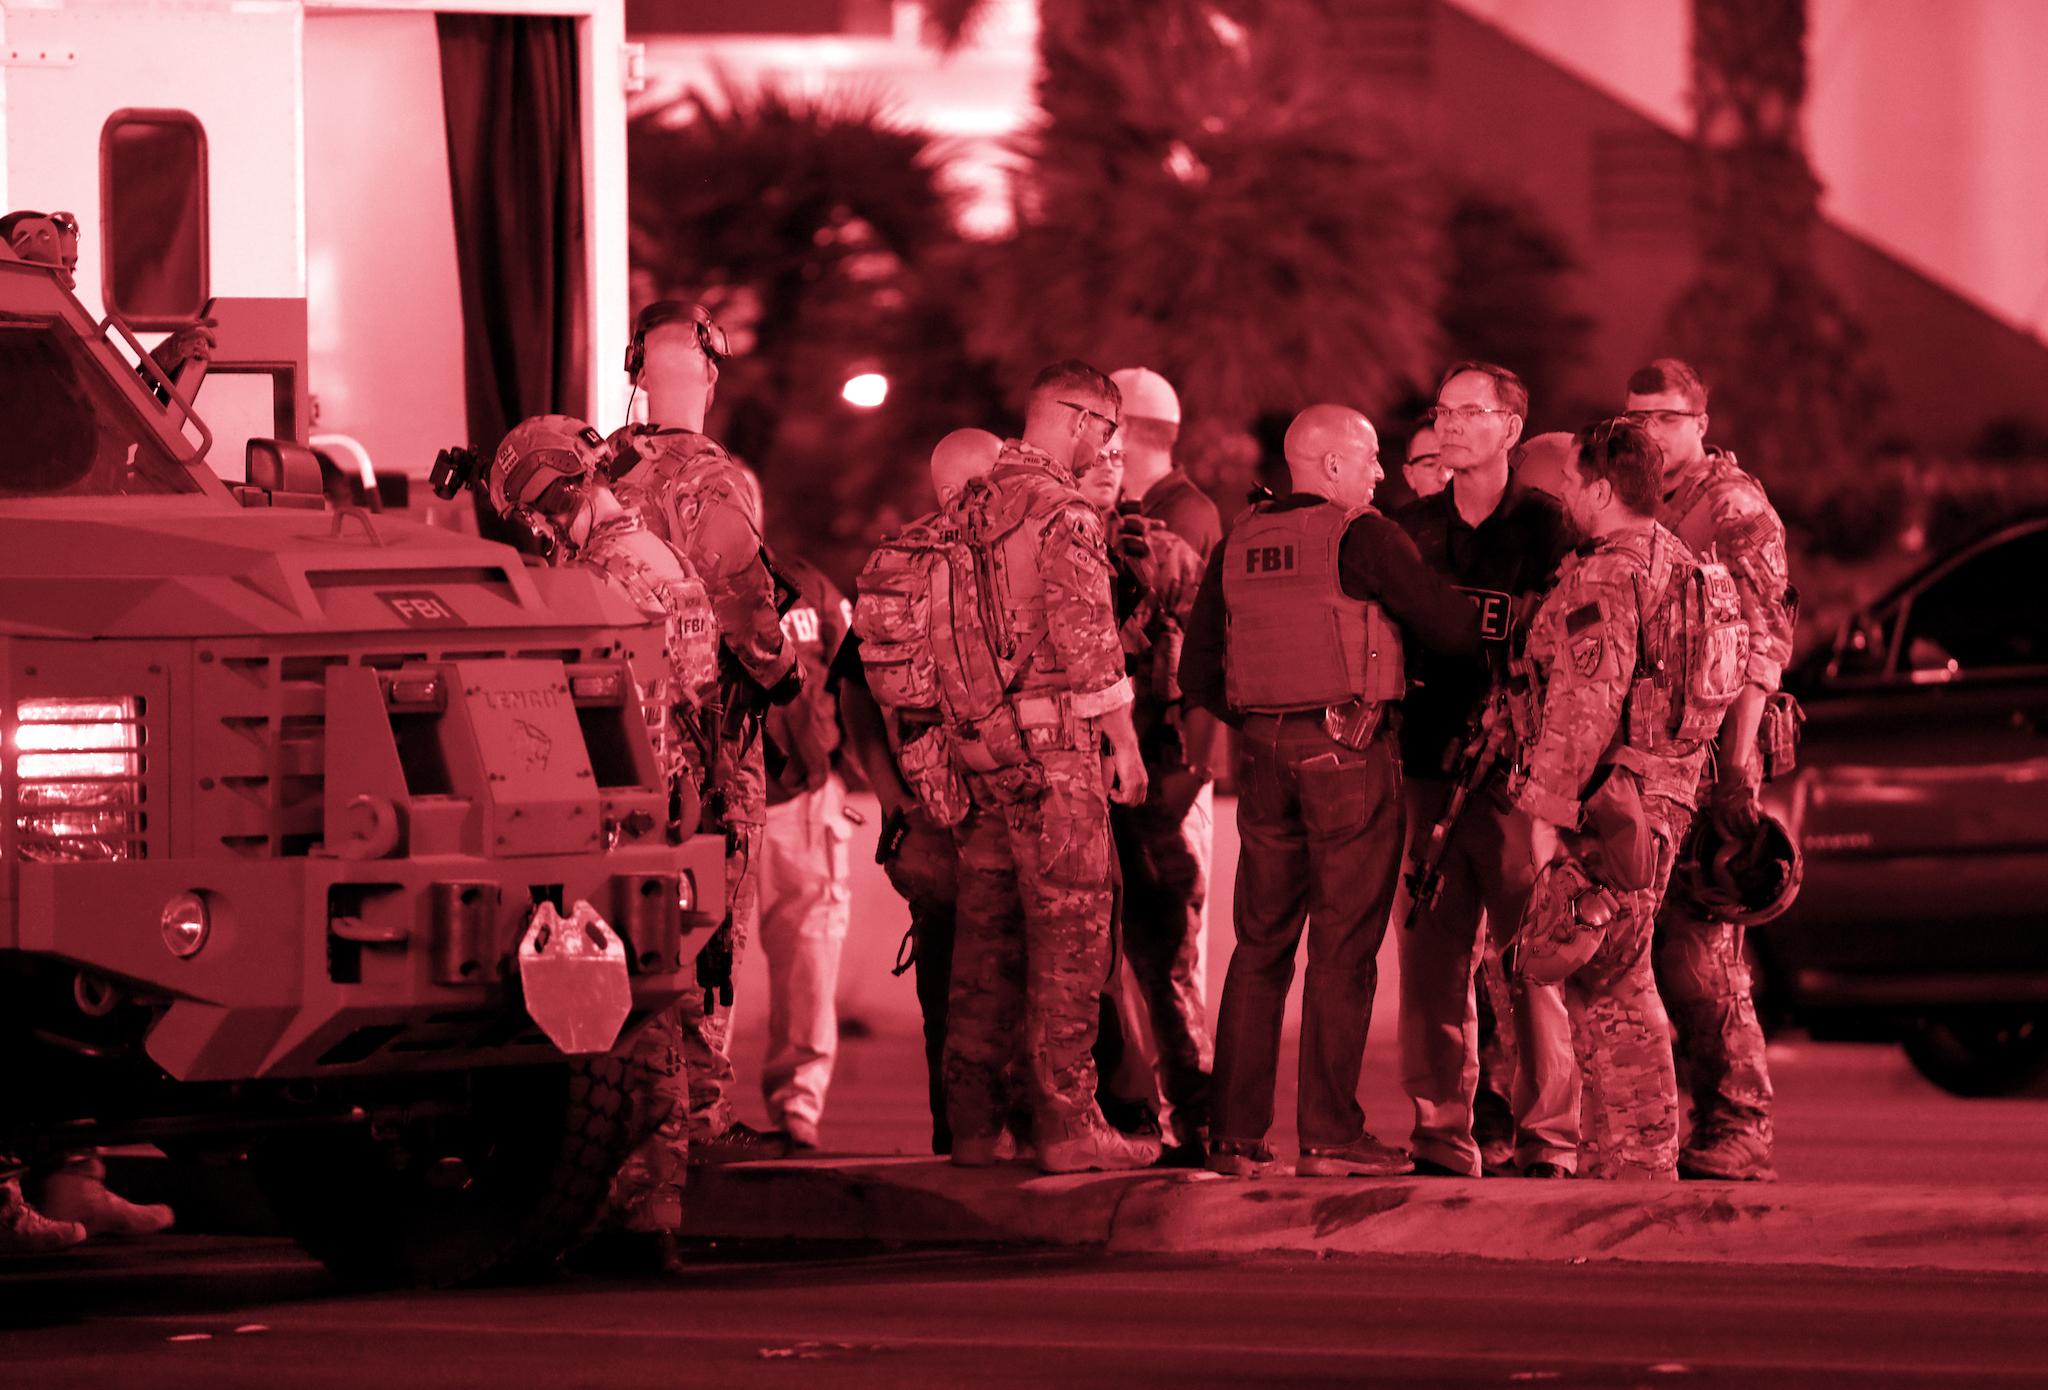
1463, 414
1666, 418
1108, 424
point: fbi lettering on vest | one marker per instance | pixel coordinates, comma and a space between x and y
1269, 559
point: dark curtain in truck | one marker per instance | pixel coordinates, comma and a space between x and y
515, 162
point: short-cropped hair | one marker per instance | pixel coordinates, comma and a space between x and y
1075, 375
1670, 374
1507, 387
1622, 452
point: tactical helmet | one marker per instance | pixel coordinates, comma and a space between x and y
536, 454
1567, 918
1745, 881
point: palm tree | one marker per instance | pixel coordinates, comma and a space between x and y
1211, 193
1784, 356
818, 230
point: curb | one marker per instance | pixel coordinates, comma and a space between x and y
926, 1201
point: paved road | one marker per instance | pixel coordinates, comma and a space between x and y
1848, 1112
211, 1314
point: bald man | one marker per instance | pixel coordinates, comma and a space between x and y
1296, 639
961, 457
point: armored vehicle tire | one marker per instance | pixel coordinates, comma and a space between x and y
499, 1188
1987, 1053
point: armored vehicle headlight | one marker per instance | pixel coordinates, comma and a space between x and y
186, 924
78, 766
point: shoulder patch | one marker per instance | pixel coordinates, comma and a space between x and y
1581, 618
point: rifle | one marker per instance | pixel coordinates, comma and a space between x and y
1481, 751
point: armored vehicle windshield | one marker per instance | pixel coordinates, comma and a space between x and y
72, 415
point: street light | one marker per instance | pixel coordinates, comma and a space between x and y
866, 390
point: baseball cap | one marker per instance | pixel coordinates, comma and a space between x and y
1147, 395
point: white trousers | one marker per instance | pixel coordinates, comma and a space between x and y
805, 908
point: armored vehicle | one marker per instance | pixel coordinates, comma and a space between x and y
334, 838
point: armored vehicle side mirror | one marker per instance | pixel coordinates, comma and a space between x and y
289, 472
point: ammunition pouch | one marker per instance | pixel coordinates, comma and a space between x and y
925, 758
1777, 735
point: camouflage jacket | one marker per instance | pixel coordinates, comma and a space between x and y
1060, 611
1579, 662
693, 495
1722, 514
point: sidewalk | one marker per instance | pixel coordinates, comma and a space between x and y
915, 1201
1881, 1170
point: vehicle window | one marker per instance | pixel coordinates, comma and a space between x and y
1985, 614
65, 430
153, 197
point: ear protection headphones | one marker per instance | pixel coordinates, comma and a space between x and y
710, 337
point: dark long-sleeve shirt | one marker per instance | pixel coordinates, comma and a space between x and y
1376, 561
1514, 551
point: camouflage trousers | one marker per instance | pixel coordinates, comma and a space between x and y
681, 1077
1705, 980
1628, 1101
1031, 949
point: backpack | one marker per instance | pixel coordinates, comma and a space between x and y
924, 609
1693, 648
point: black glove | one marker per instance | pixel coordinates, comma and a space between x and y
714, 967
789, 687
1173, 791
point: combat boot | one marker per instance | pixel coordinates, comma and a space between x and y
1727, 1157
1097, 1147
738, 1143
26, 1231
79, 1192
1364, 1157
1242, 1158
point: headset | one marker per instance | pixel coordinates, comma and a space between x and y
710, 337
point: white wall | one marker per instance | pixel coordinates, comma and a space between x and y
383, 299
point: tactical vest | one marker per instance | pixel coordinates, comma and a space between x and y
1689, 512
1295, 640
1692, 648
690, 629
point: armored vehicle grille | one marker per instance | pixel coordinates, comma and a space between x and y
262, 726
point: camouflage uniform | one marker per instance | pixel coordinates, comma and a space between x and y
1032, 943
1163, 880
1722, 513
1581, 657
692, 494
647, 1191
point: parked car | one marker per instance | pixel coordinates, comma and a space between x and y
1921, 805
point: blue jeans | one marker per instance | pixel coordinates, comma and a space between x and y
1321, 829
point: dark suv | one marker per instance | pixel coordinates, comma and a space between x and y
1921, 804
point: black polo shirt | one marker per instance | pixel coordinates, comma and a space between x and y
1514, 551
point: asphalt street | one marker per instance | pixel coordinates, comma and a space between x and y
207, 1314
